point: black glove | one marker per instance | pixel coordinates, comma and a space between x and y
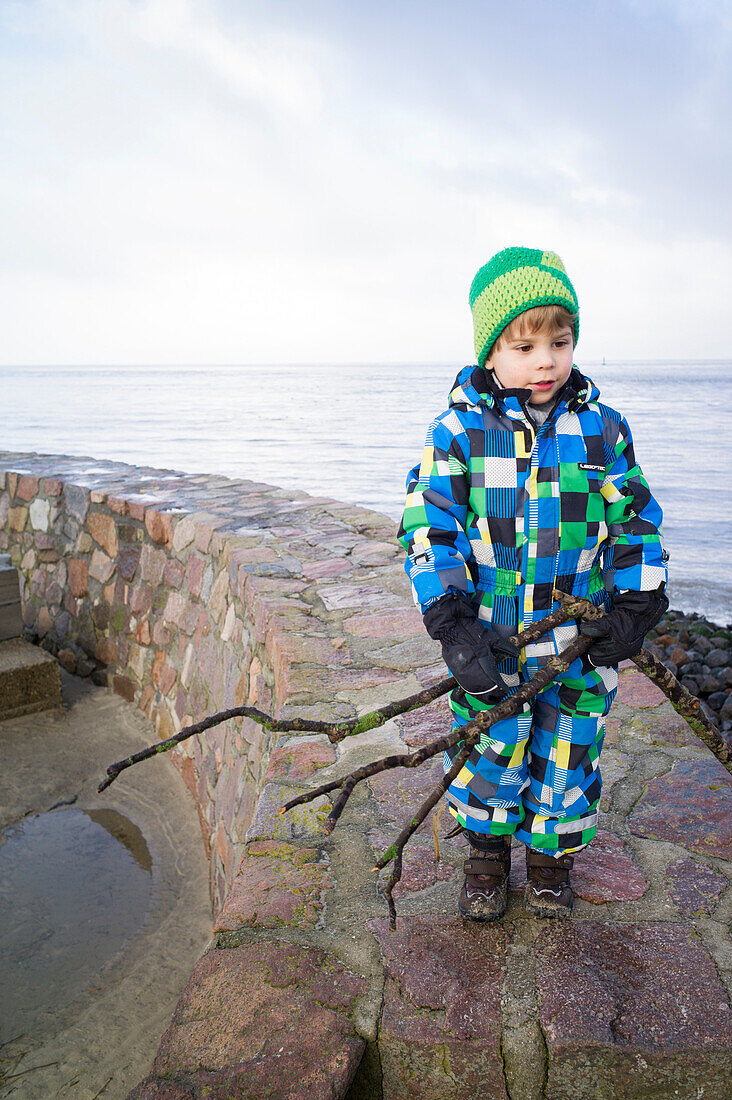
469, 649
620, 633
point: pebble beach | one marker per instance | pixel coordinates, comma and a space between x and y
699, 653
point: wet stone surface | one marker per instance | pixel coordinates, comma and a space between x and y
440, 1026
699, 652
604, 871
260, 1021
75, 885
614, 765
302, 822
277, 884
613, 727
104, 900
300, 760
420, 868
694, 888
691, 805
419, 727
401, 792
607, 871
664, 727
636, 690
641, 1003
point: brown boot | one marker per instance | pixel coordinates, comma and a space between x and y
485, 891
548, 893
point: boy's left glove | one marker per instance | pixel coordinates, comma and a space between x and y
620, 633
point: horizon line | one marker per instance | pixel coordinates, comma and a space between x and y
604, 361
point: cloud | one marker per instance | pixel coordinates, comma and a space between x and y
191, 182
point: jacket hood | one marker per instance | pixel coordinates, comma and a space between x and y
477, 386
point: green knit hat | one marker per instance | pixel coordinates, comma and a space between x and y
513, 281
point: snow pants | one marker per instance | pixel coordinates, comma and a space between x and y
537, 774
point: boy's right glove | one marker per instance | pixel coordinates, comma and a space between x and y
469, 649
620, 633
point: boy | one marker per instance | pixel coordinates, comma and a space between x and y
528, 482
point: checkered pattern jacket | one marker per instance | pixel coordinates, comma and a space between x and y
509, 511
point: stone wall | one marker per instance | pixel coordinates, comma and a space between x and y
187, 594
190, 594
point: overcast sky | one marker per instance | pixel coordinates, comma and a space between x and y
202, 181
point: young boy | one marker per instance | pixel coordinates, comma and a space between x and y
527, 482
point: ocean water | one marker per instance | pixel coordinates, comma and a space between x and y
353, 432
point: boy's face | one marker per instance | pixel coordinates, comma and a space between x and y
541, 362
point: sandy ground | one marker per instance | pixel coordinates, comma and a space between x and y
103, 1042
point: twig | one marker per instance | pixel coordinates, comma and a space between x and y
466, 737
470, 733
31, 1069
436, 819
348, 782
395, 850
683, 702
534, 631
97, 1094
336, 731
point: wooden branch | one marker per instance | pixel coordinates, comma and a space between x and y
394, 852
470, 733
683, 702
348, 782
534, 631
572, 607
336, 732
466, 737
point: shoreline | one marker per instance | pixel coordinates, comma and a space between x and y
363, 431
699, 653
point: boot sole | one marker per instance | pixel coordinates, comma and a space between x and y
488, 918
557, 912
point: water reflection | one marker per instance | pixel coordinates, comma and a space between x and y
75, 885
126, 832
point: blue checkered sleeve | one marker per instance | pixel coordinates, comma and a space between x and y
633, 516
433, 526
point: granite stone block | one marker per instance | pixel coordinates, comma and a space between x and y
233, 1034
691, 805
102, 529
276, 884
694, 888
441, 1022
631, 1011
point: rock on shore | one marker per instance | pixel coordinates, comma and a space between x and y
699, 653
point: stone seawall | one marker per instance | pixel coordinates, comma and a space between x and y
188, 594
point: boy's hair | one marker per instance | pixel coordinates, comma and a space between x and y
512, 282
531, 322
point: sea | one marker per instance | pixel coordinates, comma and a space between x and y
353, 431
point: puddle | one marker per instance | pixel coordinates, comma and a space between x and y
75, 885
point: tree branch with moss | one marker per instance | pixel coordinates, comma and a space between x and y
465, 738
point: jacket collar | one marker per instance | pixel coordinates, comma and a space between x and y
477, 386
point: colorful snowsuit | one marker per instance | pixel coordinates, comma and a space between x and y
507, 511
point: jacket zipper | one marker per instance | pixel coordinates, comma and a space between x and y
535, 435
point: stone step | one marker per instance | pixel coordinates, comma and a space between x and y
29, 679
11, 621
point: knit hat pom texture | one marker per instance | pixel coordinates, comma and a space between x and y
513, 281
